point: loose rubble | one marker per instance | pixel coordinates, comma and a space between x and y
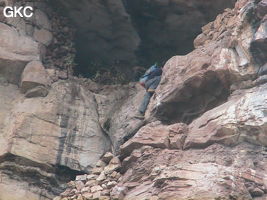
203, 137
100, 184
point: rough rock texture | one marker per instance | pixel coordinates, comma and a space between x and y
96, 186
61, 132
124, 31
34, 74
241, 119
60, 115
104, 29
46, 37
204, 78
215, 90
116, 108
15, 52
204, 135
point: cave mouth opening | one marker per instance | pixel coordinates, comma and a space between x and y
113, 37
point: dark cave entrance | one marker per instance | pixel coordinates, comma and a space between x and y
113, 37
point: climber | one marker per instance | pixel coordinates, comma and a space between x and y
150, 81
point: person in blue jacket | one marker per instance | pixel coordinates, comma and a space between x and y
150, 81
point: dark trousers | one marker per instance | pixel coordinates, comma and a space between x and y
150, 84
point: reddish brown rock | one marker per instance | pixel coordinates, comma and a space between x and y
101, 177
209, 101
232, 122
152, 134
113, 165
96, 188
87, 195
156, 135
97, 170
171, 174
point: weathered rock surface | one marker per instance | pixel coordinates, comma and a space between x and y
117, 108
99, 186
106, 27
240, 119
204, 136
34, 75
58, 132
213, 89
145, 31
156, 135
61, 130
204, 78
15, 52
197, 174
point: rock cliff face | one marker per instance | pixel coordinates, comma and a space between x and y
116, 32
204, 135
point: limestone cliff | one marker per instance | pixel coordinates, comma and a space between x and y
204, 135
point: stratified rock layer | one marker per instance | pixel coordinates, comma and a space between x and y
203, 137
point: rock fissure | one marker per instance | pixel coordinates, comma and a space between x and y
204, 133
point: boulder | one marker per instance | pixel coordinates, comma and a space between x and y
91, 183
176, 174
43, 36
108, 25
41, 19
113, 165
117, 108
201, 80
91, 177
118, 192
107, 157
240, 119
96, 188
34, 75
101, 177
59, 136
101, 163
97, 170
156, 135
81, 177
15, 52
79, 185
